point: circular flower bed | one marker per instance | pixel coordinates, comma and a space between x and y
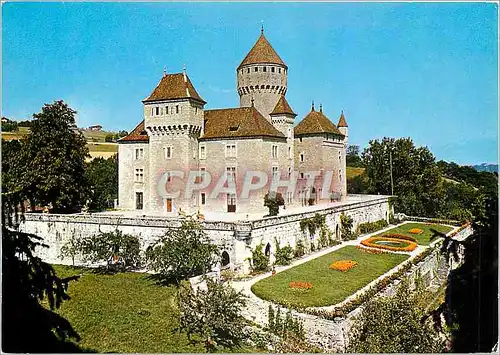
389, 243
300, 285
343, 265
399, 236
416, 231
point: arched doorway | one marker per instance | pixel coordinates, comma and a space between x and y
337, 232
267, 251
225, 259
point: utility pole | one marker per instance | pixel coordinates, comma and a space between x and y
390, 162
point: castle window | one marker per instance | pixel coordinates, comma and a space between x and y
289, 152
289, 133
248, 70
268, 86
233, 128
139, 175
139, 153
203, 152
289, 172
152, 111
262, 86
340, 175
301, 157
279, 70
256, 68
166, 110
231, 173
176, 108
196, 110
272, 69
231, 151
203, 198
301, 175
157, 111
275, 173
139, 200
289, 197
168, 152
264, 69
300, 139
275, 151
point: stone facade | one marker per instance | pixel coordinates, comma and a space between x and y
172, 137
238, 239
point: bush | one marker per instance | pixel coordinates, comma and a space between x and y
213, 315
300, 249
260, 262
369, 227
346, 223
283, 255
272, 201
183, 252
120, 251
286, 326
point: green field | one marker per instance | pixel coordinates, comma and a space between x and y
329, 286
353, 172
124, 313
423, 238
103, 147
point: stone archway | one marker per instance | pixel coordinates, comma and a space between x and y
225, 260
267, 251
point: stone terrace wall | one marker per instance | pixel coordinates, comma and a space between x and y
237, 238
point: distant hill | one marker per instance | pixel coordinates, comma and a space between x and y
486, 167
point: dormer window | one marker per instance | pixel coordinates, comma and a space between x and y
233, 128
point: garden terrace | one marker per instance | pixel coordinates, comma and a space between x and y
328, 286
425, 238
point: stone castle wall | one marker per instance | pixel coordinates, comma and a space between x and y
238, 239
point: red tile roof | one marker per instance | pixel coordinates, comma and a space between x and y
174, 86
315, 122
138, 134
238, 122
262, 52
282, 107
342, 121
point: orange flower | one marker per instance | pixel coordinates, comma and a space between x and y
415, 231
372, 243
343, 265
301, 285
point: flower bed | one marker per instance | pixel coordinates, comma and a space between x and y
401, 244
343, 265
370, 250
398, 236
301, 285
416, 231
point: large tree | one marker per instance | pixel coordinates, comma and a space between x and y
353, 157
54, 159
102, 177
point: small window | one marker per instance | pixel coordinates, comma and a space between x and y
301, 175
248, 70
264, 69
203, 198
139, 175
196, 110
203, 152
275, 151
275, 173
289, 171
279, 70
301, 157
176, 108
256, 68
300, 139
231, 173
139, 153
166, 110
168, 152
231, 151
289, 133
138, 200
152, 111
233, 128
289, 152
272, 69
157, 111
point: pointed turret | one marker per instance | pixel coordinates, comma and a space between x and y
282, 108
342, 125
262, 53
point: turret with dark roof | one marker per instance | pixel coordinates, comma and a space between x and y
283, 108
174, 86
316, 123
342, 121
262, 53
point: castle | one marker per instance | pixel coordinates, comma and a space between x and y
178, 136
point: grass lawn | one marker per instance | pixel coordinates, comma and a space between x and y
329, 286
423, 238
353, 172
103, 147
125, 313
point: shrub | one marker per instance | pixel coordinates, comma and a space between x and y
323, 236
260, 262
286, 326
182, 252
300, 249
283, 255
272, 201
369, 227
312, 224
346, 223
119, 251
213, 315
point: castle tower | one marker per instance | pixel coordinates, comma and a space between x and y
262, 76
342, 126
173, 120
282, 118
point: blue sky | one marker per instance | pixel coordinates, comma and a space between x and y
424, 70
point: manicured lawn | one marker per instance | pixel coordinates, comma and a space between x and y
425, 237
124, 313
329, 286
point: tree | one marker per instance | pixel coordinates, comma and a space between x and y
273, 200
394, 325
102, 177
54, 159
27, 325
10, 126
353, 158
213, 315
109, 138
182, 252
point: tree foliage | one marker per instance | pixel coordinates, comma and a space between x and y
213, 315
346, 225
283, 255
182, 252
272, 201
394, 325
353, 157
260, 261
102, 178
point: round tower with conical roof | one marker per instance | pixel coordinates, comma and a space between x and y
262, 77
